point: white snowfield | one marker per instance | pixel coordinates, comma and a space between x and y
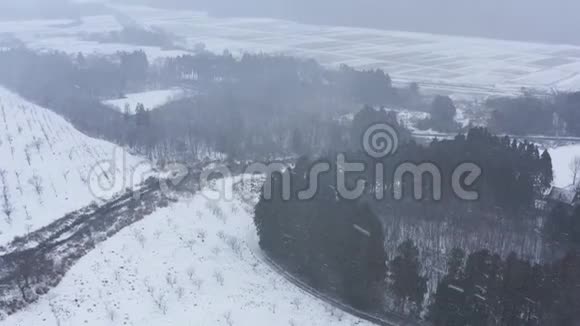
441, 63
48, 168
438, 62
192, 263
561, 158
151, 99
70, 36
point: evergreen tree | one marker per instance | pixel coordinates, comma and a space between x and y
547, 171
449, 307
406, 282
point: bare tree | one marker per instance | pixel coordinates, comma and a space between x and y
180, 291
219, 277
27, 154
140, 237
171, 280
111, 313
36, 182
7, 207
296, 303
161, 303
55, 310
228, 318
190, 273
197, 283
575, 168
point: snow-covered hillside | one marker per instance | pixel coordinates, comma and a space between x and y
195, 262
70, 36
48, 168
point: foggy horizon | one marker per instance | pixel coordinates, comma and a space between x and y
289, 162
521, 20
524, 20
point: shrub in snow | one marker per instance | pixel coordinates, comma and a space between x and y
197, 283
219, 278
171, 279
190, 273
296, 303
180, 291
161, 303
140, 237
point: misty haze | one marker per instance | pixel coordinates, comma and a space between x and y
289, 162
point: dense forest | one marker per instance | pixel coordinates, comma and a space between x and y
255, 105
337, 245
557, 114
484, 289
340, 246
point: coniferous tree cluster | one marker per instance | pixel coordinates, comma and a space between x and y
408, 286
563, 225
557, 114
487, 290
442, 117
514, 174
336, 245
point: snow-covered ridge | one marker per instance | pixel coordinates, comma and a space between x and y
48, 168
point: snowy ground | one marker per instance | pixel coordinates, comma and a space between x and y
70, 36
474, 66
461, 64
50, 168
561, 158
192, 263
151, 99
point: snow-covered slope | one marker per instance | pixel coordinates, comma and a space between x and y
48, 168
69, 36
192, 263
561, 158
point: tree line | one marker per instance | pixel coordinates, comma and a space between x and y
556, 114
514, 173
256, 105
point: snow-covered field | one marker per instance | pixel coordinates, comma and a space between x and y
151, 99
468, 65
192, 263
70, 36
561, 158
48, 168
441, 63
